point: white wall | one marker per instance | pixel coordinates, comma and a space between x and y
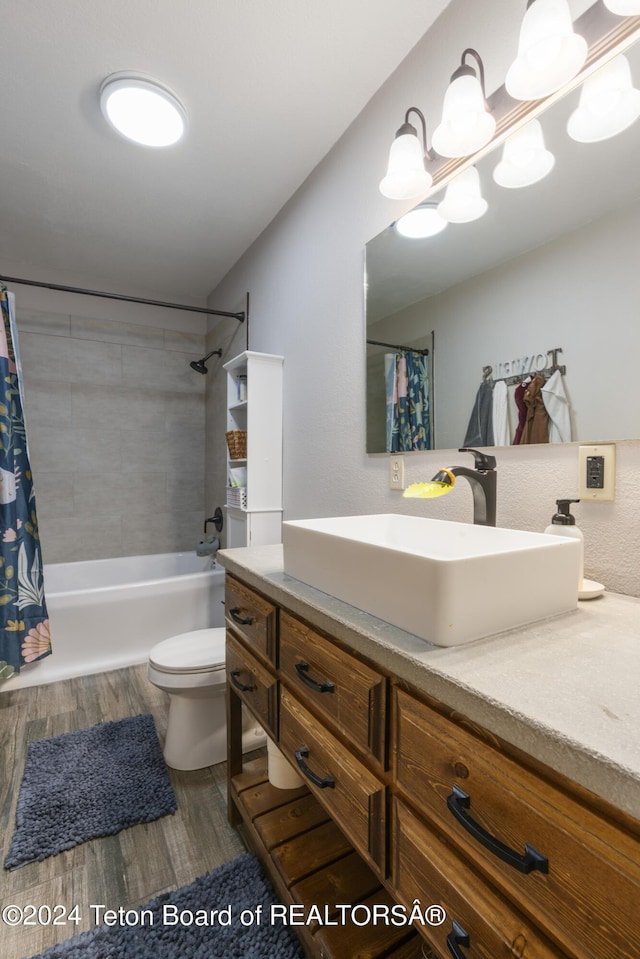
305, 275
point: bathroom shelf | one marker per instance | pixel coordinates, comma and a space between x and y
259, 522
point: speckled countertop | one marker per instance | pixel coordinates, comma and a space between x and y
564, 690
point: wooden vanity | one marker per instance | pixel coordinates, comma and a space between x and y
409, 801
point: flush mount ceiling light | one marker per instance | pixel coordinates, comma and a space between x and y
550, 53
625, 8
142, 110
407, 177
525, 160
608, 103
463, 201
421, 223
467, 125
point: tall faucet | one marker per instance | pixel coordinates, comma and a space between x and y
483, 482
482, 479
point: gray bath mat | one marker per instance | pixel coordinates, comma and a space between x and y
238, 888
89, 783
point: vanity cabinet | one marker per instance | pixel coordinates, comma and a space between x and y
405, 799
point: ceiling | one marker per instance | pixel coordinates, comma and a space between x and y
269, 87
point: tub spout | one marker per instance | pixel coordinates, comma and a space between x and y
208, 549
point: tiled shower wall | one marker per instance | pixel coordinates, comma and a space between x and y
116, 429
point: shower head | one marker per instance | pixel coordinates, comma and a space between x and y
199, 366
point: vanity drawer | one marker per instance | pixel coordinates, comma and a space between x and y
424, 867
257, 688
354, 798
251, 617
335, 685
500, 814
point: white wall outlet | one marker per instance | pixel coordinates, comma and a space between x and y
596, 472
396, 471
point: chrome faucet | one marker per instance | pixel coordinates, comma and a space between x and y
483, 482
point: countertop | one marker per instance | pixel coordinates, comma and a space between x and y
564, 690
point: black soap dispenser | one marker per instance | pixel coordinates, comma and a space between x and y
563, 523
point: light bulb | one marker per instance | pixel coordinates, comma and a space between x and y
421, 223
549, 52
463, 201
406, 176
466, 124
525, 160
608, 103
625, 8
142, 110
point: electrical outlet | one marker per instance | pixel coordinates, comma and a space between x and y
396, 471
596, 472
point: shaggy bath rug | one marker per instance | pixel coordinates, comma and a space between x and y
225, 914
89, 783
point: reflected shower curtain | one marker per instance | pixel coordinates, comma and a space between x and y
407, 401
24, 635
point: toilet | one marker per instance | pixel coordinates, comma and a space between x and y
190, 667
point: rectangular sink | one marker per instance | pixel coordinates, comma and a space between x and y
448, 583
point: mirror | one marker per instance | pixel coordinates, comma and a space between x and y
552, 266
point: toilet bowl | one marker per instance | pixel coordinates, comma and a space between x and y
190, 667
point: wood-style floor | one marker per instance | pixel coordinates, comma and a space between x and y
123, 870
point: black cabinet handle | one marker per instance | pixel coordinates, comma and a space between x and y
243, 687
326, 783
240, 620
324, 687
457, 937
458, 802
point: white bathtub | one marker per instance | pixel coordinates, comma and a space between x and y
108, 613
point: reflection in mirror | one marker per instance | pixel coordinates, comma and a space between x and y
548, 277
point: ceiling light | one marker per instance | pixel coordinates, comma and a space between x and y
142, 110
407, 177
467, 125
625, 8
525, 160
549, 52
422, 222
608, 103
463, 201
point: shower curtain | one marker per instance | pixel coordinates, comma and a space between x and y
24, 635
407, 401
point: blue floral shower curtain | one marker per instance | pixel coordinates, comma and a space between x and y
407, 400
24, 623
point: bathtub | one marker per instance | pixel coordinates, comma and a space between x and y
108, 613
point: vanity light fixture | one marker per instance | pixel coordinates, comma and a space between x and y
550, 53
142, 110
467, 124
624, 8
608, 103
525, 159
463, 200
407, 177
422, 222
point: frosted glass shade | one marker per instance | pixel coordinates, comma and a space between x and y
608, 103
549, 52
422, 222
525, 160
142, 110
463, 201
466, 124
406, 177
625, 8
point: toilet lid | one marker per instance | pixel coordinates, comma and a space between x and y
198, 651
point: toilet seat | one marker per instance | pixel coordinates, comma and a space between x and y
200, 651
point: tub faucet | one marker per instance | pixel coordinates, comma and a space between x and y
483, 482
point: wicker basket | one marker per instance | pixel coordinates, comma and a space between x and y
237, 443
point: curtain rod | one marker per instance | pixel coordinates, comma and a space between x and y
406, 349
120, 296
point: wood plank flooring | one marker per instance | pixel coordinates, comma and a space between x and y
123, 870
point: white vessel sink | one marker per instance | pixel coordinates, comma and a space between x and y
448, 583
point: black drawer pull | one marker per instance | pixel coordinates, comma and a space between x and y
325, 687
240, 620
458, 802
326, 783
243, 687
457, 937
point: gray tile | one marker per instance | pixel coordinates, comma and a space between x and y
144, 452
168, 532
39, 321
72, 539
54, 495
68, 360
93, 451
120, 494
192, 343
184, 493
185, 453
46, 404
161, 370
184, 411
123, 408
113, 331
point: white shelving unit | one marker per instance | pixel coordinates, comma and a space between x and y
257, 519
